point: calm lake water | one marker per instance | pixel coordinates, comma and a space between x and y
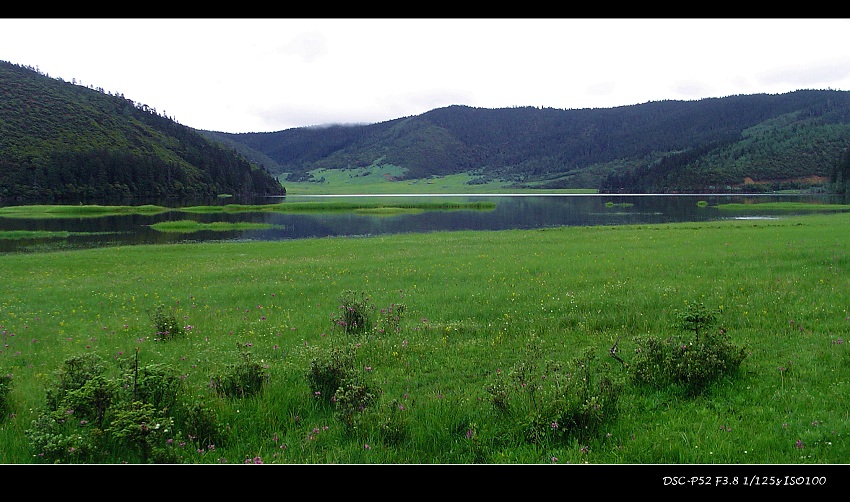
510, 212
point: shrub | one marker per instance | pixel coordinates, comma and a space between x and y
73, 374
354, 313
389, 318
335, 379
166, 324
330, 370
140, 427
156, 384
350, 399
92, 418
695, 316
547, 399
201, 425
5, 390
692, 364
242, 379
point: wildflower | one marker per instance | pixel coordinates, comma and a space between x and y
584, 449
367, 447
554, 425
554, 460
799, 444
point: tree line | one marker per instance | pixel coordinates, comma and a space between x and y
63, 141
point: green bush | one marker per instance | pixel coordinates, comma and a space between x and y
695, 316
201, 424
166, 324
92, 418
334, 378
389, 319
691, 363
140, 427
5, 390
242, 379
156, 384
73, 374
355, 313
329, 371
545, 399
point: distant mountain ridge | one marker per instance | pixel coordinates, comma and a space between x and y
62, 141
757, 142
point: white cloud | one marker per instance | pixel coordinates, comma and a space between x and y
308, 46
240, 75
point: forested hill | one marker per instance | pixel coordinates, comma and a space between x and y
753, 142
59, 140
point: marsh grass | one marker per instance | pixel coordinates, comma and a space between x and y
34, 234
80, 211
189, 226
473, 303
786, 206
76, 211
380, 178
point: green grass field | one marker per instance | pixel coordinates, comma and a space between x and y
383, 179
478, 307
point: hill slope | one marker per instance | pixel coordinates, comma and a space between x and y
63, 141
760, 142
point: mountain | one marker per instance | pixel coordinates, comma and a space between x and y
753, 142
61, 141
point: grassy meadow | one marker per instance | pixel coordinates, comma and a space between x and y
384, 179
473, 341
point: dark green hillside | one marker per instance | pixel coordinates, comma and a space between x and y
64, 141
760, 142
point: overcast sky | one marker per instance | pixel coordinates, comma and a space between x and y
259, 75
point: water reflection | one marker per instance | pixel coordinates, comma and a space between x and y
510, 212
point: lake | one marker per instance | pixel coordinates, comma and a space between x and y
511, 211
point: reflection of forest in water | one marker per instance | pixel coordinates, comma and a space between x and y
510, 212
